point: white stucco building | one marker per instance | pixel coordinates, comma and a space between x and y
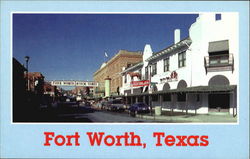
198, 74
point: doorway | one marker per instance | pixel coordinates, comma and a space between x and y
219, 102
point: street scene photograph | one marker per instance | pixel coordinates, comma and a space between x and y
125, 68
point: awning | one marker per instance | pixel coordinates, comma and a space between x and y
201, 89
198, 89
217, 46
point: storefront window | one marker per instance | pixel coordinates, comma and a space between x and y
167, 97
181, 97
155, 98
197, 98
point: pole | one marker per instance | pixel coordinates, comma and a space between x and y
27, 67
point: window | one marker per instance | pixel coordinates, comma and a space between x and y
139, 73
129, 65
166, 64
217, 16
154, 69
146, 72
181, 97
167, 97
182, 59
125, 78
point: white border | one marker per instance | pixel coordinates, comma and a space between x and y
106, 123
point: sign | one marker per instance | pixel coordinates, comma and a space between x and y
140, 83
73, 83
173, 77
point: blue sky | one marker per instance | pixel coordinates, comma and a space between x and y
72, 46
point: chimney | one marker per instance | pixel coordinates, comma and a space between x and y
147, 52
177, 35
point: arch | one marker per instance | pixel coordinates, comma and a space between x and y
182, 84
166, 87
218, 80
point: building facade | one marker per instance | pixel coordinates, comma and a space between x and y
19, 90
35, 82
111, 70
52, 91
198, 74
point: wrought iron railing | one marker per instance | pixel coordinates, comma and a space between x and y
219, 61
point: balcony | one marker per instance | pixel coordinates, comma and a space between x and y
223, 62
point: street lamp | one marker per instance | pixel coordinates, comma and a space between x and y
27, 67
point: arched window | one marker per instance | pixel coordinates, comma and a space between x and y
166, 87
182, 84
218, 80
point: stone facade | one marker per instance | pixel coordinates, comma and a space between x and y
112, 69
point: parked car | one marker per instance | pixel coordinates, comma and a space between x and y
117, 105
68, 102
106, 105
138, 108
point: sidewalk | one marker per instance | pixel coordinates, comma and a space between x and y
179, 117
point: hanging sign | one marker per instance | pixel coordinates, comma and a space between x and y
140, 83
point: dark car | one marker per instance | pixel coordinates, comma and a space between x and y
138, 108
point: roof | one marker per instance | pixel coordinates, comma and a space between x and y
119, 54
216, 46
133, 67
34, 75
197, 89
185, 42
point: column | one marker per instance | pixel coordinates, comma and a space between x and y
107, 86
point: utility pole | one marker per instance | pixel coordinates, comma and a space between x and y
27, 72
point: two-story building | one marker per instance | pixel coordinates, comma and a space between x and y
198, 74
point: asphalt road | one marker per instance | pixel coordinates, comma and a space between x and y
86, 114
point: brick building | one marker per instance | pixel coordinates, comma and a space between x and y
35, 82
50, 90
112, 69
82, 90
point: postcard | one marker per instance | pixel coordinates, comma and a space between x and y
116, 79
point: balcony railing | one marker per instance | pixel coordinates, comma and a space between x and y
223, 62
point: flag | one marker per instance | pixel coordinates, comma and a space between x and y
106, 55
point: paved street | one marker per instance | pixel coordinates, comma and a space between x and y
86, 114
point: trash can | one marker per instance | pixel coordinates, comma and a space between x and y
158, 110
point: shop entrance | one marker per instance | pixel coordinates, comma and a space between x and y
146, 100
218, 102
